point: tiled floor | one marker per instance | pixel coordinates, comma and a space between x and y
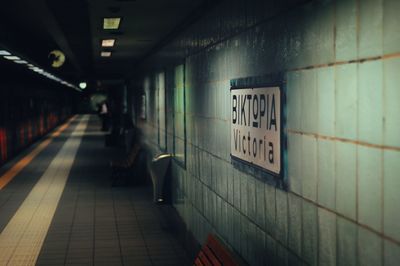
94, 223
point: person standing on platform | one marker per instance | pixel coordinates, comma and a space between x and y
104, 116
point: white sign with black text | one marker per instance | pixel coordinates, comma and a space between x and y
256, 126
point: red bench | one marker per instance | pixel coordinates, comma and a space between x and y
120, 168
214, 253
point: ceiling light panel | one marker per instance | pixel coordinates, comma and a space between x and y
21, 62
7, 55
111, 23
108, 43
105, 54
4, 52
11, 57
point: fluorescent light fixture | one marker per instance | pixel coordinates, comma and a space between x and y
111, 23
105, 54
108, 42
83, 85
4, 52
36, 69
11, 57
7, 55
20, 62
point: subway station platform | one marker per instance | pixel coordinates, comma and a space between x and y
57, 207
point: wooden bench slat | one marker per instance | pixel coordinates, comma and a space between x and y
204, 259
198, 262
214, 253
120, 168
212, 256
223, 254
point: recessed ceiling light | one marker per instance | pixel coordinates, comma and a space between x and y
108, 42
111, 23
105, 54
11, 57
4, 52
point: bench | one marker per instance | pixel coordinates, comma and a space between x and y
121, 168
215, 253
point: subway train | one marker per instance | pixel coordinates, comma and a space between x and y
28, 113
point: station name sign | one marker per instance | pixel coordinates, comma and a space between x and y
256, 127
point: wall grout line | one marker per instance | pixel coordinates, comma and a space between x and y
356, 142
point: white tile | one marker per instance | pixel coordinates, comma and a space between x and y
391, 253
310, 233
346, 179
369, 248
326, 101
370, 28
309, 101
281, 216
309, 168
326, 173
391, 194
370, 116
294, 162
391, 106
346, 101
295, 223
346, 242
370, 187
327, 237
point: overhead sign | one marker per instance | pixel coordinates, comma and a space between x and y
256, 127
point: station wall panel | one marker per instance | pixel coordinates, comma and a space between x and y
339, 61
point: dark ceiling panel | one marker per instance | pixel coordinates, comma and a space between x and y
73, 18
29, 29
144, 24
34, 28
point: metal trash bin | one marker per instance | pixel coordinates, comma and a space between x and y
158, 171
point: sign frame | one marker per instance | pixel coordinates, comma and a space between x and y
280, 130
280, 180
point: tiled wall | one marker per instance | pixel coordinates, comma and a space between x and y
341, 63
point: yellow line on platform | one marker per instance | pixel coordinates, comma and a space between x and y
23, 237
10, 174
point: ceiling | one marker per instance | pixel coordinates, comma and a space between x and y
34, 28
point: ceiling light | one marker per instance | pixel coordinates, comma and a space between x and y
21, 62
11, 57
4, 52
111, 23
108, 42
7, 55
36, 69
105, 54
83, 85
